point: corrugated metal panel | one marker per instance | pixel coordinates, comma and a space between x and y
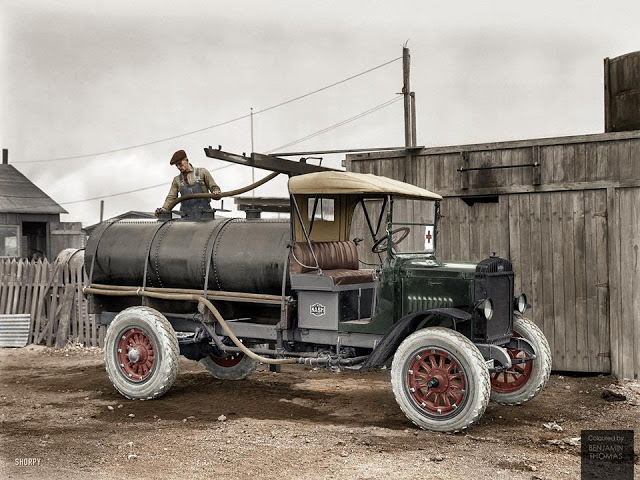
14, 330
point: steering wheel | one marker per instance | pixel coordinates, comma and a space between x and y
381, 244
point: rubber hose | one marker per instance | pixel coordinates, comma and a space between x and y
206, 303
220, 195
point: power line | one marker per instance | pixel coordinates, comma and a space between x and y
133, 191
295, 142
286, 102
337, 125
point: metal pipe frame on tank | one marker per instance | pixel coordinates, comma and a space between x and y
203, 302
125, 290
240, 347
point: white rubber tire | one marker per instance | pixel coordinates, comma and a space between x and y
165, 344
541, 365
472, 367
245, 367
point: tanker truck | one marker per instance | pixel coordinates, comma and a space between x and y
232, 293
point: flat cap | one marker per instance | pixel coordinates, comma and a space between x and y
179, 155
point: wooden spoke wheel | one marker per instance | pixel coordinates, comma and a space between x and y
522, 382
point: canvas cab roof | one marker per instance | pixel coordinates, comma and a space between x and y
352, 183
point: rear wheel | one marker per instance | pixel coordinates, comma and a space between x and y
522, 382
440, 380
236, 366
141, 353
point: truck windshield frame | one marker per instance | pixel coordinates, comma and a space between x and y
392, 249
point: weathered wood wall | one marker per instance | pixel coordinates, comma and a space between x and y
622, 93
52, 295
625, 281
568, 221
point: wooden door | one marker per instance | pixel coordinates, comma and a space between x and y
559, 249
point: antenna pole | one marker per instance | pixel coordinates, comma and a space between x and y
253, 170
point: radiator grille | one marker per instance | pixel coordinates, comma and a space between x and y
494, 280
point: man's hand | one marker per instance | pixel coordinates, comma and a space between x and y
216, 191
158, 211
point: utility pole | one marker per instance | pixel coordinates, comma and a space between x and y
409, 109
101, 210
406, 91
253, 170
414, 142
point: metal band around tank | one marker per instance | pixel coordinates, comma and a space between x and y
146, 258
209, 250
213, 257
100, 232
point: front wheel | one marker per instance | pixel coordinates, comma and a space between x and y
521, 382
440, 380
141, 353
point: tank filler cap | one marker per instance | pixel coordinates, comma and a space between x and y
494, 254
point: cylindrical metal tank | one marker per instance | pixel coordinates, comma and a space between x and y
243, 255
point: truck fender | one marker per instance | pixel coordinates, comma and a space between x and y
387, 347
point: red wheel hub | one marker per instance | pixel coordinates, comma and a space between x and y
136, 354
436, 381
229, 361
515, 377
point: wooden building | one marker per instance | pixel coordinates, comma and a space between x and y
566, 212
30, 225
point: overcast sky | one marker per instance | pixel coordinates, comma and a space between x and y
80, 77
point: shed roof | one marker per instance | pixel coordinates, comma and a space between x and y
130, 215
351, 183
19, 195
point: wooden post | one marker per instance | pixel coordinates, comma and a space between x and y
86, 319
406, 91
53, 311
29, 284
3, 266
45, 271
73, 331
17, 292
12, 285
613, 242
414, 140
65, 315
101, 334
35, 296
607, 96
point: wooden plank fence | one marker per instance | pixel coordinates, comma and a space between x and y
52, 294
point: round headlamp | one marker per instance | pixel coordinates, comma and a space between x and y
485, 307
520, 303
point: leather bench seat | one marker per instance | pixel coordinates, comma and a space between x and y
338, 260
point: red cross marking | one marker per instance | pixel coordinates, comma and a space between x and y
429, 237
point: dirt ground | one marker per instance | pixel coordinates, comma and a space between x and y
59, 412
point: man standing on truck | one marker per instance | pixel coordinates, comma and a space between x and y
190, 180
